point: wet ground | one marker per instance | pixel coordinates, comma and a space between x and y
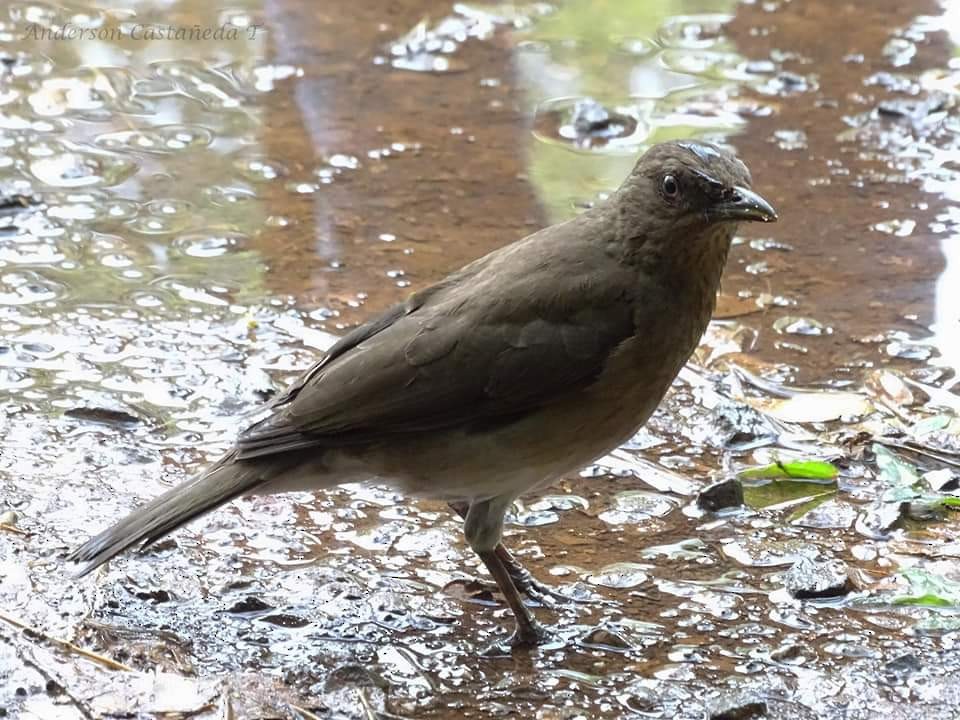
187, 222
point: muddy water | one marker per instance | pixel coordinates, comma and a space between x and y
188, 221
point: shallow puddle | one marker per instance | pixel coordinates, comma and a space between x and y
186, 222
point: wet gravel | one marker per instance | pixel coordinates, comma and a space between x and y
184, 225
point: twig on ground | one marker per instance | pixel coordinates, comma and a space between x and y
67, 645
27, 659
13, 529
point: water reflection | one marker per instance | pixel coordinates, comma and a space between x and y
941, 178
946, 324
659, 64
209, 213
124, 140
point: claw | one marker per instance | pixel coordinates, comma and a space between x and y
542, 593
528, 636
524, 638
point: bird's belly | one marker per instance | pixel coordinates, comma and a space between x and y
502, 458
508, 459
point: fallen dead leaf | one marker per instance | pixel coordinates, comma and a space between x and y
732, 306
813, 407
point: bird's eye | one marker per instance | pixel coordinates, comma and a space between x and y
670, 186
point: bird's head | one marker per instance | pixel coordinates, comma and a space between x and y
691, 185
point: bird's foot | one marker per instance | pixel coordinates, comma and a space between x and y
542, 593
529, 635
525, 637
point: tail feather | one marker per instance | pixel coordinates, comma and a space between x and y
216, 485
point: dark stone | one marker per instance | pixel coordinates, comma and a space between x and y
640, 699
285, 620
900, 108
736, 425
792, 79
157, 596
249, 604
606, 638
810, 578
880, 517
737, 706
914, 110
787, 653
585, 122
590, 117
10, 203
899, 670
723, 494
102, 415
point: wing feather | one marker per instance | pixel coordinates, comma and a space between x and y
455, 355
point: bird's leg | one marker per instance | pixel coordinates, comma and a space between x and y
482, 527
522, 578
529, 632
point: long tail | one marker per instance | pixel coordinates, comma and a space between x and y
220, 483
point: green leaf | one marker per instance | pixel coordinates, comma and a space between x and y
928, 590
929, 506
927, 600
774, 492
788, 480
812, 469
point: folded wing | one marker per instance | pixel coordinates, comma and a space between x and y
451, 357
